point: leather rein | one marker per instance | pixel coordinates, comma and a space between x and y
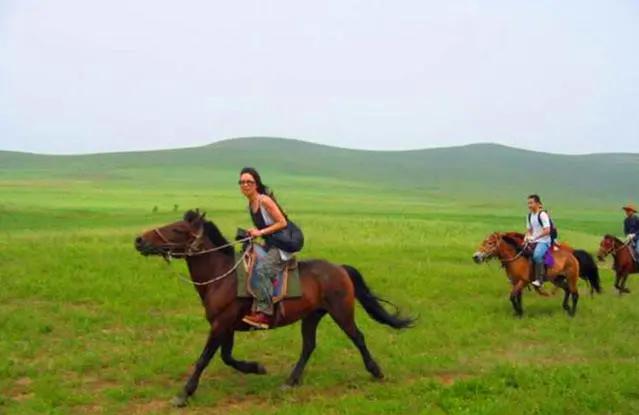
192, 250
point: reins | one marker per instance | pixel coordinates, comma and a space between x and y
516, 257
614, 250
191, 251
219, 277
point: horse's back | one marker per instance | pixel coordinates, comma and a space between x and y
324, 276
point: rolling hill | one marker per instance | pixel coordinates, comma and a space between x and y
479, 170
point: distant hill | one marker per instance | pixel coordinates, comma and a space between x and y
483, 170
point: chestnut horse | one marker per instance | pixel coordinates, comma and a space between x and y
508, 248
326, 288
624, 262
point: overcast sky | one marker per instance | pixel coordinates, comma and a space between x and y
90, 76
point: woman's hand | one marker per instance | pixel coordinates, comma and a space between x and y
254, 232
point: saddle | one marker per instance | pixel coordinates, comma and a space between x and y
549, 259
285, 285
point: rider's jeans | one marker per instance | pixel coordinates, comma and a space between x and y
540, 252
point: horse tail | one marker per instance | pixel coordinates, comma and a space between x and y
372, 303
588, 269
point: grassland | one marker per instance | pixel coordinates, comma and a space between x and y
89, 326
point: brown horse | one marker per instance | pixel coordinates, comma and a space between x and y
326, 288
624, 263
508, 248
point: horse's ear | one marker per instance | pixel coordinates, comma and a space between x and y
202, 216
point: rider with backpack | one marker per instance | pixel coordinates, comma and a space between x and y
540, 231
631, 226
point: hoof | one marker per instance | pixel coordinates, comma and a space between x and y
289, 385
179, 401
374, 370
379, 376
260, 370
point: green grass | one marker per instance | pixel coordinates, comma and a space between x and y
89, 326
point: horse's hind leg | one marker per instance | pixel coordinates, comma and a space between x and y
343, 313
239, 365
309, 331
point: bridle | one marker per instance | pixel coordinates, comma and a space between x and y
493, 252
192, 250
170, 248
614, 250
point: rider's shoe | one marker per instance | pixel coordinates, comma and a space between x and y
258, 320
538, 281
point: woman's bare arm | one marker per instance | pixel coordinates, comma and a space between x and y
279, 221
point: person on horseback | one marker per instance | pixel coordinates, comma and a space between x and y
268, 218
538, 226
631, 227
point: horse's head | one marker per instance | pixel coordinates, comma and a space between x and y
175, 238
488, 248
607, 246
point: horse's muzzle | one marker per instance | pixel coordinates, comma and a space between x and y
478, 257
144, 247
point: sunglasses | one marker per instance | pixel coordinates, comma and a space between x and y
245, 182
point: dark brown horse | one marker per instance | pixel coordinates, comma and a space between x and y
326, 288
624, 263
507, 247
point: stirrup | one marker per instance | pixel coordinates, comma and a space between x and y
257, 324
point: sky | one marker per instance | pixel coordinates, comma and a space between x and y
80, 76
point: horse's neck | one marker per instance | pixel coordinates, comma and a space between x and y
508, 255
209, 265
622, 250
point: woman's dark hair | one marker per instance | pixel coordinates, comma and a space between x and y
261, 187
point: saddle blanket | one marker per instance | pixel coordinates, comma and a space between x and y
549, 259
286, 284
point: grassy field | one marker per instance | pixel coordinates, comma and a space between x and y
87, 325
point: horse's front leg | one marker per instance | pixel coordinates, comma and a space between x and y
622, 284
617, 280
219, 327
239, 365
212, 344
515, 297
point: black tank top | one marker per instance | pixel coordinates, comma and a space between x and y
258, 219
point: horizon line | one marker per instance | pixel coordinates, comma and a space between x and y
308, 141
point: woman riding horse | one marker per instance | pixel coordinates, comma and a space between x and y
268, 219
326, 289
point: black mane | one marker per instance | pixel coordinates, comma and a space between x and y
214, 234
613, 237
210, 230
